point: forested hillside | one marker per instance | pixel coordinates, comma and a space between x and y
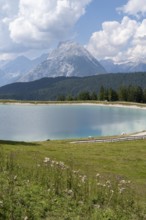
54, 88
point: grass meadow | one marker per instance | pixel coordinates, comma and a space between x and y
55, 180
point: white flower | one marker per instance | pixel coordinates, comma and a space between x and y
108, 182
84, 179
46, 160
97, 206
98, 184
75, 171
61, 163
97, 175
70, 192
123, 181
121, 190
15, 177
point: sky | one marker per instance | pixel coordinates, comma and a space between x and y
109, 29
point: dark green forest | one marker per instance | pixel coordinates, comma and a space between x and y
129, 94
110, 87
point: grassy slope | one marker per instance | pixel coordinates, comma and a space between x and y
126, 159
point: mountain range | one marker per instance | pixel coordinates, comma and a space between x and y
68, 59
124, 67
13, 70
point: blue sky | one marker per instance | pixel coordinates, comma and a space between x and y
96, 13
109, 29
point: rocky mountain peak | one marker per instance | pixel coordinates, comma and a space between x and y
68, 59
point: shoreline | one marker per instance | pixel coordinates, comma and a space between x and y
109, 104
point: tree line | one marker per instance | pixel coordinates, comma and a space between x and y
124, 93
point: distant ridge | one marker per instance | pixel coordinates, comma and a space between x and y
124, 67
15, 69
51, 88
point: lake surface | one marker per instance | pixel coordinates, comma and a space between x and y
42, 122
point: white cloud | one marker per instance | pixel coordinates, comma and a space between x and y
8, 10
35, 24
125, 40
134, 7
114, 39
9, 7
44, 21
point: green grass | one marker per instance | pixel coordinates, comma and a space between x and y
123, 158
106, 157
113, 161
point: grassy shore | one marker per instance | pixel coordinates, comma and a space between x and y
60, 180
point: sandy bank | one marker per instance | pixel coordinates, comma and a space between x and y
109, 104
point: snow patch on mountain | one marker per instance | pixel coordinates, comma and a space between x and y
123, 67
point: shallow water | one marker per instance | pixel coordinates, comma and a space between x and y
42, 122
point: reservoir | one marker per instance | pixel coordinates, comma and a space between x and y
26, 122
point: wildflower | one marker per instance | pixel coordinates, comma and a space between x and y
70, 192
97, 206
46, 160
84, 179
108, 183
97, 175
38, 165
1, 202
121, 190
75, 171
123, 182
25, 218
15, 177
98, 184
112, 191
62, 165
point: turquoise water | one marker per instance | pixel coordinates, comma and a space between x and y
42, 122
